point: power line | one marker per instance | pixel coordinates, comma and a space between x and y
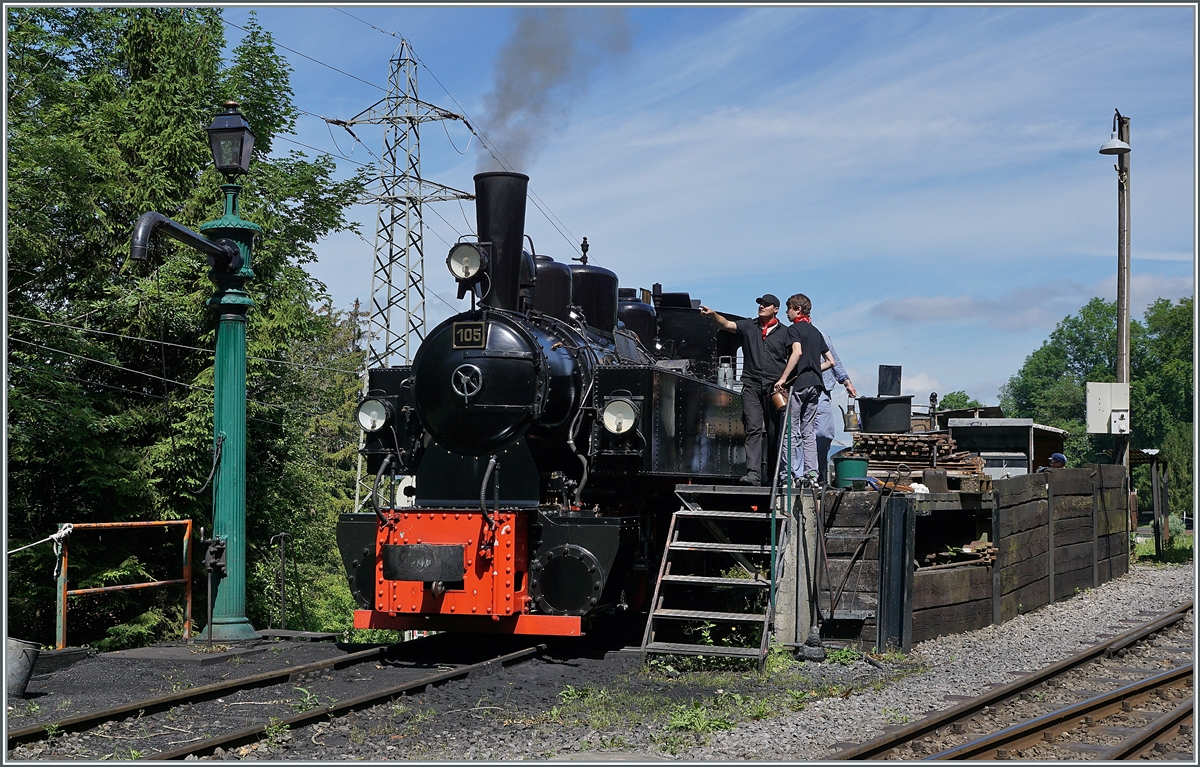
151, 375
538, 203
310, 58
322, 151
178, 346
124, 389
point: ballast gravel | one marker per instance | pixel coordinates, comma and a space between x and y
537, 711
958, 664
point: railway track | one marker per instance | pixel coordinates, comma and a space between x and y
203, 720
997, 724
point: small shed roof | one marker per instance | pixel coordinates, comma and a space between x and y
1140, 456
960, 423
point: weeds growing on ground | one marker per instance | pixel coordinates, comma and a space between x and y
694, 717
307, 701
1179, 551
274, 731
844, 656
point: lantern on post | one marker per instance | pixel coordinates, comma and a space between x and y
232, 141
227, 242
232, 145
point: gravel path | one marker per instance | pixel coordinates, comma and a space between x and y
959, 664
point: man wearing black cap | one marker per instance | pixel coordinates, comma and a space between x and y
765, 351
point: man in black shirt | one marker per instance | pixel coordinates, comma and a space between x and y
764, 353
809, 357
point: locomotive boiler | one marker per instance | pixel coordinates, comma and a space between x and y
545, 429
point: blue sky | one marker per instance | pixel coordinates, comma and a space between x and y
929, 176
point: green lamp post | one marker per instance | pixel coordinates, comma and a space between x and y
232, 143
227, 242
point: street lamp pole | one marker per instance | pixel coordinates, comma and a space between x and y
232, 143
227, 242
1119, 145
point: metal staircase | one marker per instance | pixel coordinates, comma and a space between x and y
714, 594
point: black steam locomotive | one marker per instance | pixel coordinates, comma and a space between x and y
546, 429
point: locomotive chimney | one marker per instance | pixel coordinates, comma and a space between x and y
500, 215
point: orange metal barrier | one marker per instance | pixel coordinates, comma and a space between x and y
185, 581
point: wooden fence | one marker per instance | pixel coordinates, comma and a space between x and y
1056, 533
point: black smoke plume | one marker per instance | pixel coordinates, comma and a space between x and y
542, 70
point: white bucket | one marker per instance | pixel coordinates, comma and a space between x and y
19, 659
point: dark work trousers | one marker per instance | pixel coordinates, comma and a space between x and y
755, 404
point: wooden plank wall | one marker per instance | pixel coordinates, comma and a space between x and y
951, 600
845, 514
1111, 499
1072, 500
1076, 519
1021, 580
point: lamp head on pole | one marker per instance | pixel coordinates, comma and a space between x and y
1115, 145
232, 141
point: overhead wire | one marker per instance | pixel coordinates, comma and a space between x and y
178, 346
152, 375
324, 151
124, 389
538, 203
310, 58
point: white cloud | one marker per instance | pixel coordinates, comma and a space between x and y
920, 385
1146, 289
1015, 310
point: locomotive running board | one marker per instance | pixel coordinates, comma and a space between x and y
539, 625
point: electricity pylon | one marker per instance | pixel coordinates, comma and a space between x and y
396, 323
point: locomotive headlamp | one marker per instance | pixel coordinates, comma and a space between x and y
619, 416
373, 414
467, 261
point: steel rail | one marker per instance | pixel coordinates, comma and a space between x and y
885, 743
1135, 744
1032, 729
215, 690
251, 734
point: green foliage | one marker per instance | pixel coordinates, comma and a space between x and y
1177, 451
797, 699
844, 656
779, 659
694, 717
1051, 386
1179, 551
275, 732
1175, 525
308, 700
152, 625
958, 400
107, 109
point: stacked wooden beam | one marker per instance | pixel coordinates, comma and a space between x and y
917, 451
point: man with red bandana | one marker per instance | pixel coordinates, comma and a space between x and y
765, 350
809, 357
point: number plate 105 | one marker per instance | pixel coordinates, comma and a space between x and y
468, 335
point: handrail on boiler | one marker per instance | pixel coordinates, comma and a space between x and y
186, 580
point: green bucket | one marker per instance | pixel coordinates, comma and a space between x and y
847, 469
